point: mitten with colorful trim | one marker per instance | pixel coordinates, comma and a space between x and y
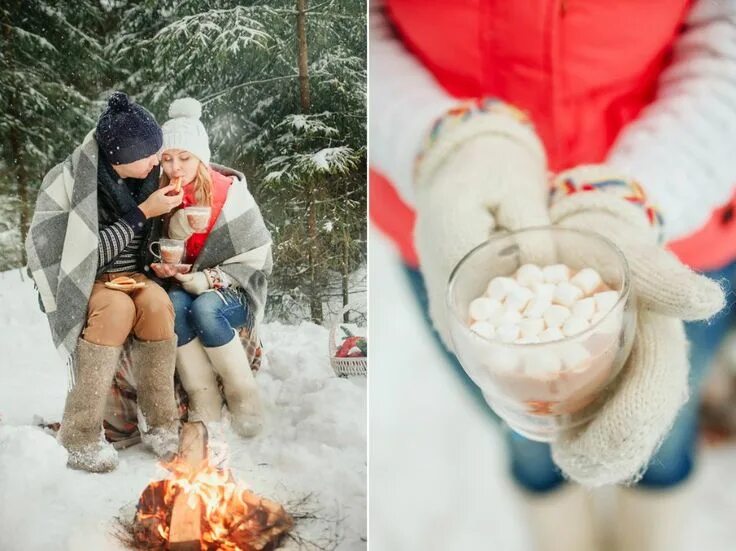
617, 444
482, 169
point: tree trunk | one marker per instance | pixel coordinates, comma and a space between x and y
15, 159
346, 273
21, 180
315, 293
346, 260
301, 33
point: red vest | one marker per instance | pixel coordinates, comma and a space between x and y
581, 69
220, 185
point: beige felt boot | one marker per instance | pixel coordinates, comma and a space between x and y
241, 392
562, 519
199, 380
651, 519
154, 364
81, 430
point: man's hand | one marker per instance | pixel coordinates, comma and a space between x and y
159, 203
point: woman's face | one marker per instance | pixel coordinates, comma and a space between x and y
179, 163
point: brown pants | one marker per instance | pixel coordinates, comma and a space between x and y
113, 315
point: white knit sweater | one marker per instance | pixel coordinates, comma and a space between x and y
682, 148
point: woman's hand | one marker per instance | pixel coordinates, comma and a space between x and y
481, 174
158, 203
164, 270
194, 284
617, 444
179, 227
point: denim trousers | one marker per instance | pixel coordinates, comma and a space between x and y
531, 462
213, 316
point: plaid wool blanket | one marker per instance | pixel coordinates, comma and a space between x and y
62, 244
240, 244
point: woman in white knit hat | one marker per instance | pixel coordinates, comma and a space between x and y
225, 289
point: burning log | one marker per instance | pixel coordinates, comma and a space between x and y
201, 508
186, 514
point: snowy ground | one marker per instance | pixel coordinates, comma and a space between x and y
438, 476
313, 444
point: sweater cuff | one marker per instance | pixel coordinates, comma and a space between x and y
624, 195
469, 120
135, 219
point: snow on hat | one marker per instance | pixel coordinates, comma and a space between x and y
184, 129
127, 132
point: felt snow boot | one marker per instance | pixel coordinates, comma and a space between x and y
199, 380
154, 363
230, 362
562, 519
651, 519
81, 430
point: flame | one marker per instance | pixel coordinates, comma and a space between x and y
232, 516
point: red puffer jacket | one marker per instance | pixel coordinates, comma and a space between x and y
582, 69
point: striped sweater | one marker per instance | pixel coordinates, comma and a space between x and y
120, 243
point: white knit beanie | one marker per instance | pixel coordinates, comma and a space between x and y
184, 130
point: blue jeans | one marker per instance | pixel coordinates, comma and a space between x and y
531, 462
213, 316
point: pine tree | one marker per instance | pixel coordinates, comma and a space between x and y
304, 154
48, 59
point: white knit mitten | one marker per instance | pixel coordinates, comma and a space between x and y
617, 444
483, 170
179, 227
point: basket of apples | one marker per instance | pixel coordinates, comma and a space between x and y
348, 350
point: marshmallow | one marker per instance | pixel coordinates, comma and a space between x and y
542, 364
544, 291
499, 287
528, 340
574, 356
587, 279
606, 300
484, 329
518, 298
567, 294
584, 308
556, 273
484, 308
531, 327
508, 332
528, 274
574, 325
556, 315
537, 307
509, 316
611, 323
551, 334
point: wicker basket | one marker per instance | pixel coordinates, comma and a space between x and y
345, 367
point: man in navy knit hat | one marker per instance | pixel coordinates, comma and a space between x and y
97, 215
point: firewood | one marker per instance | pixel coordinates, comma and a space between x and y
186, 522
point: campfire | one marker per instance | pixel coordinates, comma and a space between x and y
202, 508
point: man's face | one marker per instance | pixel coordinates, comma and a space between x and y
138, 169
179, 163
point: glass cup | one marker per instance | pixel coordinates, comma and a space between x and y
171, 251
198, 218
543, 389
